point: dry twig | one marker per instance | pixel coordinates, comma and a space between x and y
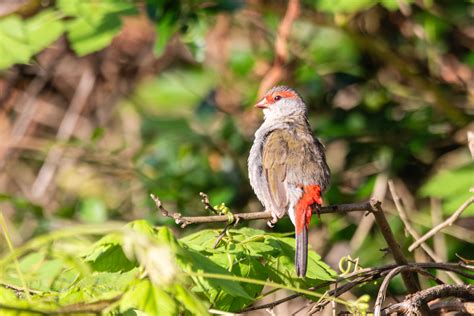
413, 304
386, 281
404, 217
184, 221
66, 129
448, 222
410, 280
347, 282
207, 204
373, 206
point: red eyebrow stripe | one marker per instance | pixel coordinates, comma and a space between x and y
284, 94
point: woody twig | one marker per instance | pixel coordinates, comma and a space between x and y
373, 206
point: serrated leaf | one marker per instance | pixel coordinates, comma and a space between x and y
107, 255
249, 268
202, 240
148, 298
41, 274
10, 298
191, 303
191, 260
259, 248
142, 226
98, 286
110, 258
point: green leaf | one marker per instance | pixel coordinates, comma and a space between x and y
282, 268
86, 37
197, 262
343, 6
248, 267
107, 254
200, 241
43, 29
94, 23
175, 92
21, 39
452, 186
98, 286
190, 302
42, 274
93, 210
16, 300
142, 226
148, 298
110, 258
166, 27
393, 5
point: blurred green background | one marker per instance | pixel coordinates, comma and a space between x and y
104, 102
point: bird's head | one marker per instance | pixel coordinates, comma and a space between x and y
280, 102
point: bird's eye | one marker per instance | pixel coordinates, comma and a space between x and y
277, 97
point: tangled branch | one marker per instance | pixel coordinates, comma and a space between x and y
407, 270
346, 283
373, 206
417, 303
442, 225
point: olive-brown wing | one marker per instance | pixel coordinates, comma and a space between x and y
278, 156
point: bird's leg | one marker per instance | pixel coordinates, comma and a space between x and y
317, 208
271, 223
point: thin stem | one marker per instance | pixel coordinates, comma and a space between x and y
449, 221
3, 224
264, 283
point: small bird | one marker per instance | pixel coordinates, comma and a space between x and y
287, 165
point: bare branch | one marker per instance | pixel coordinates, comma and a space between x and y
65, 131
413, 303
404, 217
386, 281
447, 222
409, 278
187, 220
374, 206
207, 204
367, 275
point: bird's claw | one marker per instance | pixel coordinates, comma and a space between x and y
272, 222
317, 209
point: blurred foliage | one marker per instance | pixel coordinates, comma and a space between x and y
389, 86
143, 269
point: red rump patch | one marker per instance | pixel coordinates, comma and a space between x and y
311, 195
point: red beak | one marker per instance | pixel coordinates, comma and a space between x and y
262, 104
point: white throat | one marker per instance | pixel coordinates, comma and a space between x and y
283, 109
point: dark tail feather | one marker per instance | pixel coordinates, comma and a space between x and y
301, 255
